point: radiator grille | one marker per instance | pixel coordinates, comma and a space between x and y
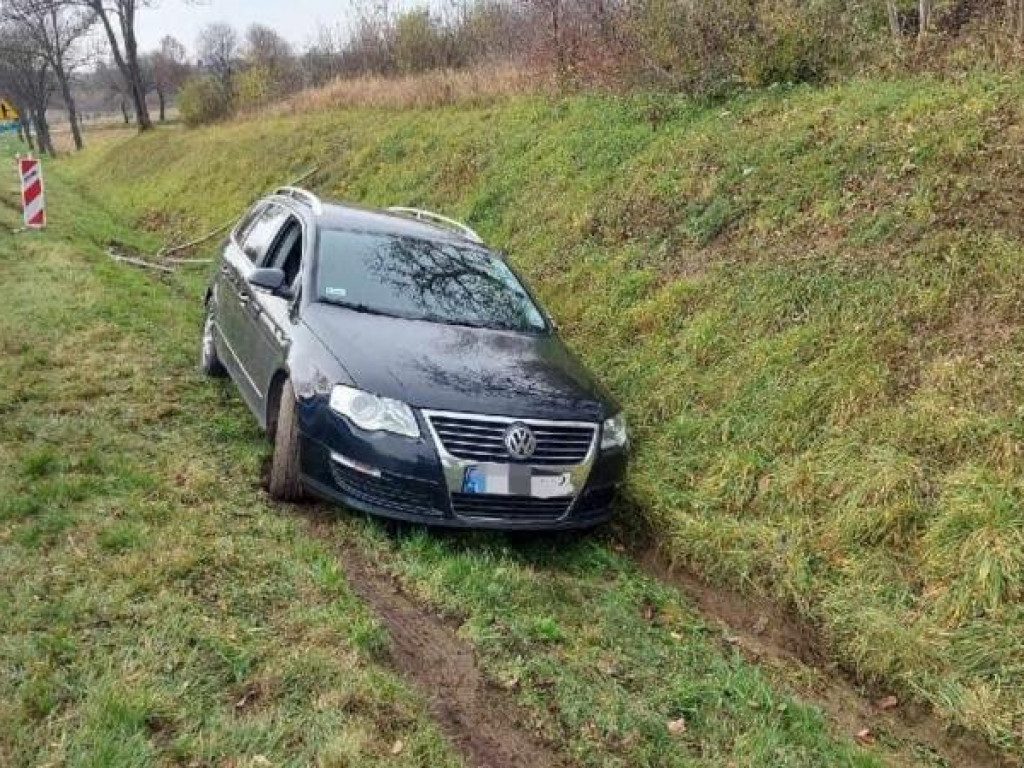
466, 437
509, 507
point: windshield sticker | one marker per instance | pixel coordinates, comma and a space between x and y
336, 293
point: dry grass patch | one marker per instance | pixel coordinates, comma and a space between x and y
474, 87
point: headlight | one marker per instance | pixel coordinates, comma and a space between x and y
372, 413
613, 433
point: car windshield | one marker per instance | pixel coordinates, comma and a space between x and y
423, 280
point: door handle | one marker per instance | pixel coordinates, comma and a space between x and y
272, 326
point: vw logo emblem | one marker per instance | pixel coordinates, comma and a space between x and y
520, 442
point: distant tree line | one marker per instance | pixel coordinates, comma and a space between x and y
693, 45
49, 56
702, 47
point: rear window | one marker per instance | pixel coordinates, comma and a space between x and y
423, 280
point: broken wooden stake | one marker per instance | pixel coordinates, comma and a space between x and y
166, 252
189, 261
139, 262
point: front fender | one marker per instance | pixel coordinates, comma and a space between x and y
312, 369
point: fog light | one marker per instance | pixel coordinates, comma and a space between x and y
358, 466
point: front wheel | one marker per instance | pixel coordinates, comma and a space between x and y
209, 362
284, 483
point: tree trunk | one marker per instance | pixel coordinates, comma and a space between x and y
129, 68
162, 100
43, 132
26, 132
924, 15
894, 20
556, 37
124, 112
69, 102
131, 52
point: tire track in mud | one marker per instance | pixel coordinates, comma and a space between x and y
768, 635
491, 729
484, 723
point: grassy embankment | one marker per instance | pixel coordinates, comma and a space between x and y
158, 611
809, 301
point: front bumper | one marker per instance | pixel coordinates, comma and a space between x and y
403, 479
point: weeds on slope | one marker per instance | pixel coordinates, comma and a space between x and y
165, 613
809, 300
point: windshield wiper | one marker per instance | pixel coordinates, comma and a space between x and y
357, 307
452, 321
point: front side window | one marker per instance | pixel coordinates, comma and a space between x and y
287, 253
423, 280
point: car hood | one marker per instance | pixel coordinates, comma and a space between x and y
453, 368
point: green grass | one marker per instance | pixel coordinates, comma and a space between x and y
157, 610
809, 301
162, 612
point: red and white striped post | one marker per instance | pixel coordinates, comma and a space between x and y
33, 201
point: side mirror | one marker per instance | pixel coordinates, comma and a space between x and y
268, 279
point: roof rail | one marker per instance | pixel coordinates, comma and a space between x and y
437, 219
303, 195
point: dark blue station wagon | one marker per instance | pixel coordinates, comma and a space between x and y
402, 368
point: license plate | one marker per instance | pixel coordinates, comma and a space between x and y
515, 480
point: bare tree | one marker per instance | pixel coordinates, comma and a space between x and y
170, 70
266, 49
555, 11
322, 61
265, 46
26, 75
56, 32
218, 51
118, 20
110, 82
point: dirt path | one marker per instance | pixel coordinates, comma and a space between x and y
484, 722
766, 635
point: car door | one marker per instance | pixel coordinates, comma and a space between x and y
268, 328
241, 257
225, 294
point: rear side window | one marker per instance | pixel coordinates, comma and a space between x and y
247, 221
263, 231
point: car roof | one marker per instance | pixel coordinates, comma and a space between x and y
351, 217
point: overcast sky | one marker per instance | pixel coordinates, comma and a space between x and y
297, 20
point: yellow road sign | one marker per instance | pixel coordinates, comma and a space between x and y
7, 111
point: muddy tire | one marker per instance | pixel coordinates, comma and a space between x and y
284, 483
209, 363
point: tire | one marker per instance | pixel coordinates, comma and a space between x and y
284, 483
209, 363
